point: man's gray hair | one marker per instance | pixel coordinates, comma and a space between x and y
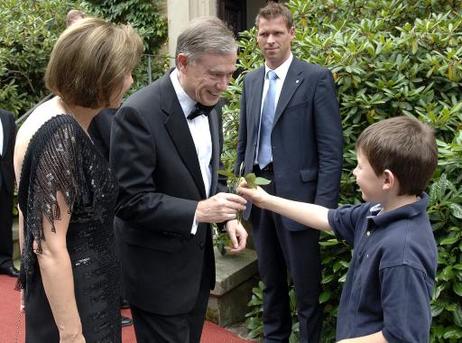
206, 35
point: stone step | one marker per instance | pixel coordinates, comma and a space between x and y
236, 276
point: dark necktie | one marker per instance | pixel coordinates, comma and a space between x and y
200, 110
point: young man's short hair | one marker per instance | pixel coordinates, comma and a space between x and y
405, 146
273, 10
90, 61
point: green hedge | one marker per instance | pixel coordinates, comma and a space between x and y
388, 58
29, 30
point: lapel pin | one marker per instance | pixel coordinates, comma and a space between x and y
297, 81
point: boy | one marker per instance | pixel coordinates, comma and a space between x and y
386, 297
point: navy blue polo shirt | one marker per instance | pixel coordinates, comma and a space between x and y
391, 275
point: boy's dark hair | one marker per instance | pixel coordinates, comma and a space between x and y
274, 10
405, 146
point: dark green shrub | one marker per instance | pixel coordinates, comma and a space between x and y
388, 58
147, 18
28, 31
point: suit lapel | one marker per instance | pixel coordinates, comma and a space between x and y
255, 101
178, 129
294, 79
213, 124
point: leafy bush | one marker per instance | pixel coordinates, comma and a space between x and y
147, 18
27, 34
388, 58
29, 30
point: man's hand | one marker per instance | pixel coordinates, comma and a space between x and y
237, 234
219, 208
256, 196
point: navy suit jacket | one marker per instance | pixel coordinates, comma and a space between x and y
154, 158
307, 139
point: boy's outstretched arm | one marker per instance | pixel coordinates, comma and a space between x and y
373, 338
311, 215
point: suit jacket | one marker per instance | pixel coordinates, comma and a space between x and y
307, 140
154, 158
6, 159
100, 130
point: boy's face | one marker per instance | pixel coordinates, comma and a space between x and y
369, 183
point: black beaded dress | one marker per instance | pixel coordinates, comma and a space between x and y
61, 158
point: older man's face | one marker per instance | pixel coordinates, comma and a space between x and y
206, 78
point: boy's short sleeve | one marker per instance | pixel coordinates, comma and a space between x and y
343, 221
405, 294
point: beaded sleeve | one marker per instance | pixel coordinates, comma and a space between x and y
52, 164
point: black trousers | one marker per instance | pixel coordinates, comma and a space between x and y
281, 251
181, 328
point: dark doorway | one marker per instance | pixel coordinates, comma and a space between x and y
233, 12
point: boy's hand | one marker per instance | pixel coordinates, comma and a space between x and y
255, 195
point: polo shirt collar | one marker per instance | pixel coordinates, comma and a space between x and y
407, 211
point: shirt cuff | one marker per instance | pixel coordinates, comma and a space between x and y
194, 226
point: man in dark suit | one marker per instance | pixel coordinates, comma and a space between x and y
165, 150
290, 132
7, 139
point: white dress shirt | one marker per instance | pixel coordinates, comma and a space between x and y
200, 132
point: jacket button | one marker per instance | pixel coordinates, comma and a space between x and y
201, 245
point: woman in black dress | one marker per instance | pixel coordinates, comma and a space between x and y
67, 194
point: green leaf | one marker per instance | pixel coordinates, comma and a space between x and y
324, 297
261, 181
225, 172
455, 333
456, 210
457, 288
436, 308
250, 179
447, 274
457, 314
449, 240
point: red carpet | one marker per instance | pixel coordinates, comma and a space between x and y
12, 322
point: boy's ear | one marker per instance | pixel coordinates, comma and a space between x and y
389, 180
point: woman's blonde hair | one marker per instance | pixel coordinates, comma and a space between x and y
90, 61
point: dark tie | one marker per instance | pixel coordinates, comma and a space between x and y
200, 110
267, 118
